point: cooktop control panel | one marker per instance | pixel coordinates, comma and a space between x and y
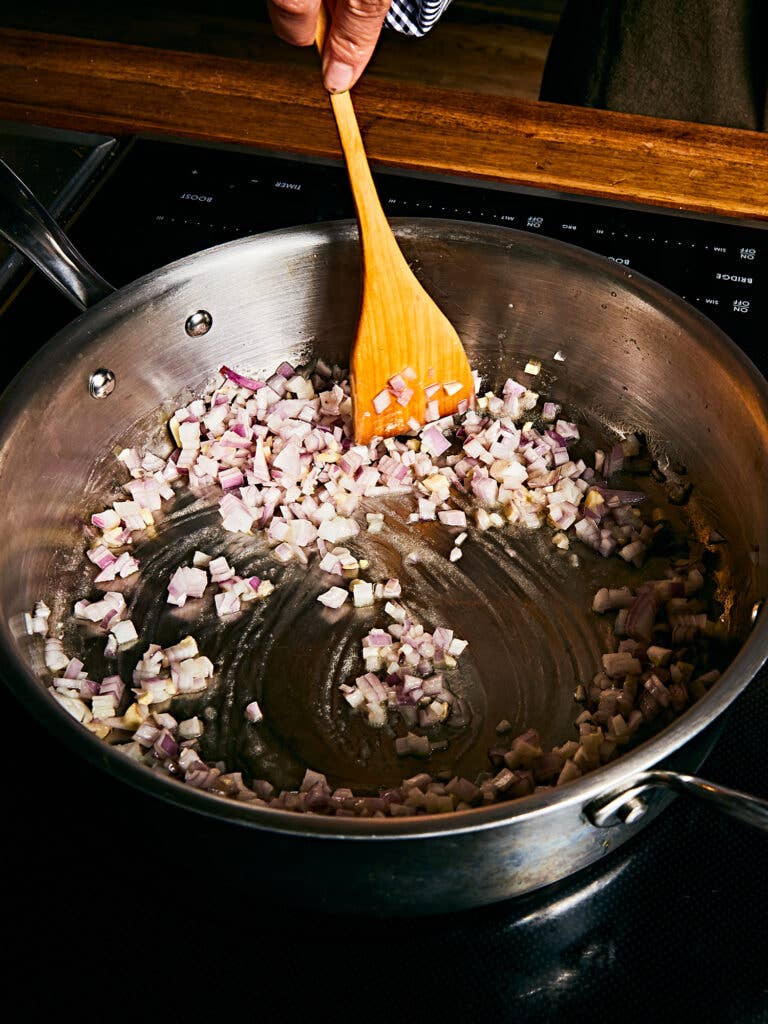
187, 196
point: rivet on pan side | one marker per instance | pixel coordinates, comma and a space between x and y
632, 810
757, 607
198, 323
101, 383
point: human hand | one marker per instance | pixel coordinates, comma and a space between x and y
355, 26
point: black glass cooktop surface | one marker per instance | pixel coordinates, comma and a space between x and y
130, 901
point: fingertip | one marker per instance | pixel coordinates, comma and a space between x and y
338, 76
294, 21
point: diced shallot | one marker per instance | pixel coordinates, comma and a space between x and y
333, 598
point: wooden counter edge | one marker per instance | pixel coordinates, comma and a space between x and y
88, 85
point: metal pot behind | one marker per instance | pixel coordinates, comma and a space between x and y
636, 358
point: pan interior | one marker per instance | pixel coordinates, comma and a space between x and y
634, 360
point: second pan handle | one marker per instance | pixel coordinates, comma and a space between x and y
28, 226
627, 804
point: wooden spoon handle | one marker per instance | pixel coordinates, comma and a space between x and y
374, 227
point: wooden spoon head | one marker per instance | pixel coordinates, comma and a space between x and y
406, 355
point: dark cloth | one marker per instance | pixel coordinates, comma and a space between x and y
688, 60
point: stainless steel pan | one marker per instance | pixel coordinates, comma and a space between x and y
636, 358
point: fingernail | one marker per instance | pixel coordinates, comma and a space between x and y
338, 76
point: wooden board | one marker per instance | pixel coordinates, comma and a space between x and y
492, 46
118, 88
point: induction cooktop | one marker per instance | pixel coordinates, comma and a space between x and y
152, 906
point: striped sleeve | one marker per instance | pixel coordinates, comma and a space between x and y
415, 17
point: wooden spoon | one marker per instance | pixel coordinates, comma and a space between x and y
406, 352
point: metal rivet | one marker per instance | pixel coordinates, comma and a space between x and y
632, 810
199, 323
101, 383
757, 607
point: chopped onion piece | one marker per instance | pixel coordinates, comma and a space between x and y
253, 712
227, 603
241, 380
191, 728
392, 589
382, 401
124, 632
362, 594
453, 517
395, 611
283, 552
333, 598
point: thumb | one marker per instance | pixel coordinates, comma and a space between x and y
354, 32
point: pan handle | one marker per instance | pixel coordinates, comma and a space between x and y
627, 804
28, 226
